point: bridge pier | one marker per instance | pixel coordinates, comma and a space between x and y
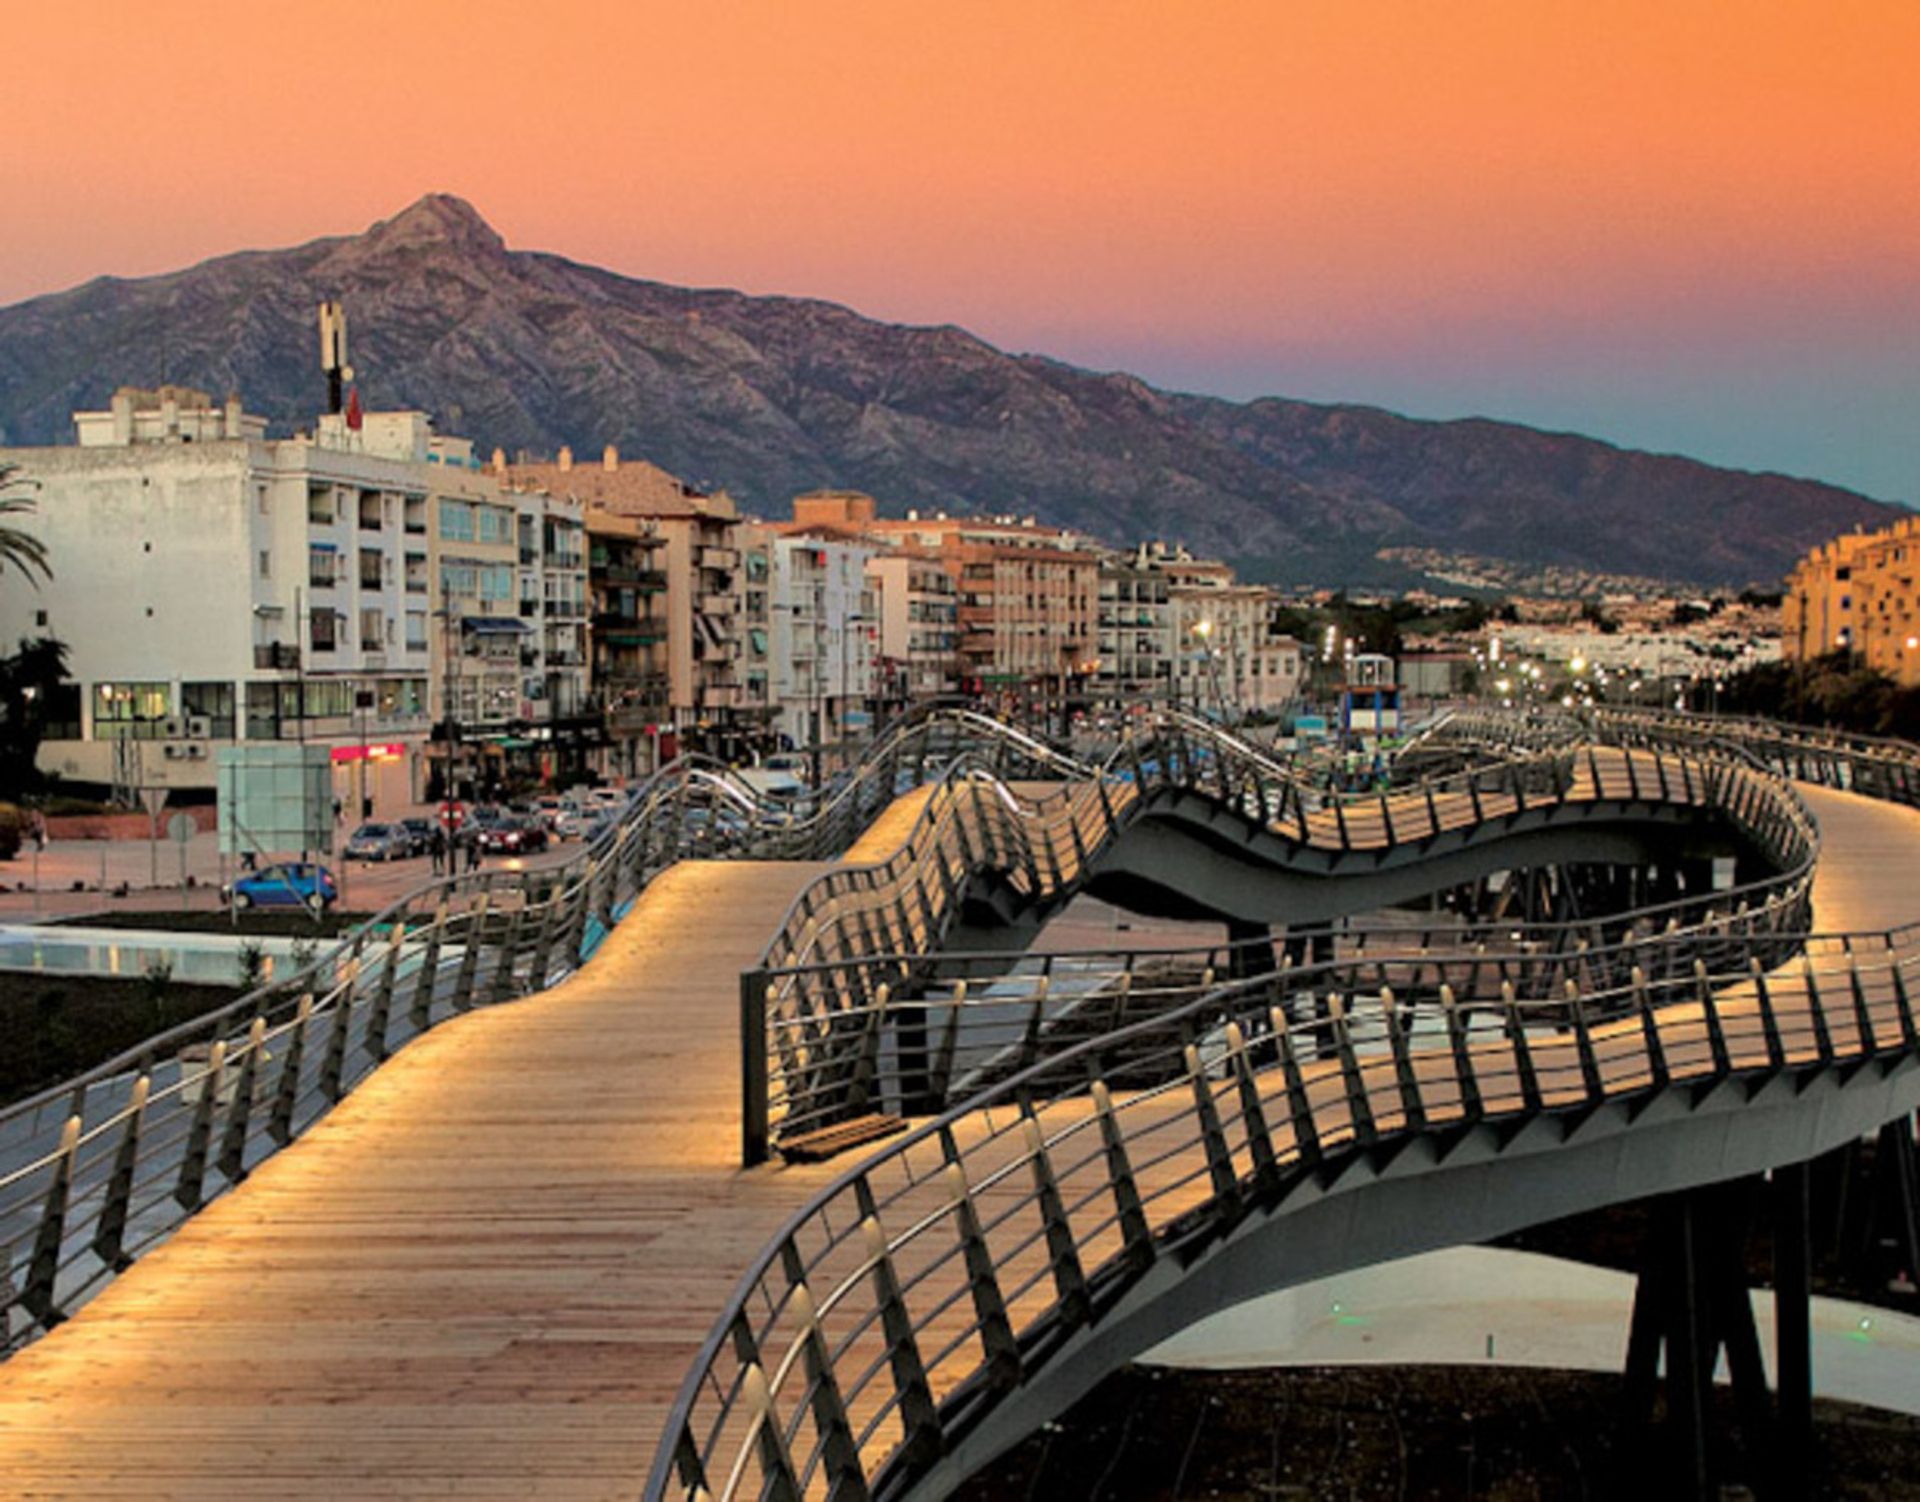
1250, 950
1691, 1303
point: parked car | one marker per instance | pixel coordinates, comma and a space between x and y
292, 884
419, 833
549, 809
379, 842
573, 823
512, 834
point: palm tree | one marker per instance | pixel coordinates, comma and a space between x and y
19, 550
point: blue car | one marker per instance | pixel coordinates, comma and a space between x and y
292, 884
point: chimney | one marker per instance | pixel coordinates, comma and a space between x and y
566, 458
499, 461
610, 457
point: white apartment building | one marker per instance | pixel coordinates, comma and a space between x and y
824, 631
215, 586
1229, 657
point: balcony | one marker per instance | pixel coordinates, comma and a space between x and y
719, 558
633, 578
976, 616
722, 696
718, 604
276, 655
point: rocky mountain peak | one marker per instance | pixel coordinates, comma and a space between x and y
437, 219
769, 397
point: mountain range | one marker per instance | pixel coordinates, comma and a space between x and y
771, 396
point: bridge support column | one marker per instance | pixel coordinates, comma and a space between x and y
1251, 951
1692, 1301
1316, 942
1793, 1327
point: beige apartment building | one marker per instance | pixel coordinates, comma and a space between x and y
1857, 595
698, 553
1025, 599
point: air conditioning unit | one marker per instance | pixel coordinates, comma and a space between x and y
200, 727
171, 751
176, 728
195, 752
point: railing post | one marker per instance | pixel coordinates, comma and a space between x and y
1650, 1029
470, 955
1213, 1140
754, 1131
286, 1098
1411, 1105
193, 1161
427, 976
838, 1451
37, 1298
997, 1342
1359, 1102
504, 979
1069, 1281
1530, 1097
778, 1483
1253, 1116
233, 1144
1306, 1137
382, 1009
920, 1436
1135, 1236
1471, 1106
109, 1237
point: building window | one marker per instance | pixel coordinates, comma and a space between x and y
495, 524
131, 711
266, 563
456, 521
370, 568
320, 566
416, 631
212, 702
373, 630
320, 506
322, 622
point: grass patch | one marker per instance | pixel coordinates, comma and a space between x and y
270, 923
53, 1027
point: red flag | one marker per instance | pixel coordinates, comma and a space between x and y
353, 408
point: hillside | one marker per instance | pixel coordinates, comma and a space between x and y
768, 396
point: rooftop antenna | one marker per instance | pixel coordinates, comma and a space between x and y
333, 353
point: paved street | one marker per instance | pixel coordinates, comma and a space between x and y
43, 884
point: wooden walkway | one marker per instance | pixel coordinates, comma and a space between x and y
486, 1273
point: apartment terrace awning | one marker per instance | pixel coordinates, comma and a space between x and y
495, 625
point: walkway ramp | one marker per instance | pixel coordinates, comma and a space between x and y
483, 1275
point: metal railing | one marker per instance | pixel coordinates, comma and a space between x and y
908, 1299
103, 1166
913, 1295
825, 1017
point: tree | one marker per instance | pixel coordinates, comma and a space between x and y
28, 678
19, 550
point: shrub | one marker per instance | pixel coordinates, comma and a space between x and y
13, 829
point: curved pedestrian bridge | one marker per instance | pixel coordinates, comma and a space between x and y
489, 1270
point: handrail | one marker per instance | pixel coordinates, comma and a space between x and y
903, 1301
817, 1014
967, 1249
97, 1169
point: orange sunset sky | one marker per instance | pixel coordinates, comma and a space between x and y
1688, 226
